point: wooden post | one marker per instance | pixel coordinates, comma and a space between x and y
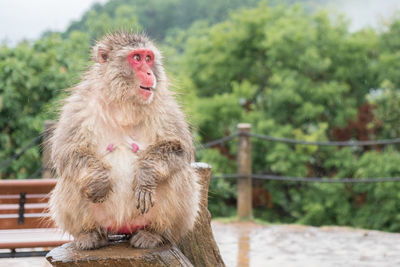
46, 166
244, 202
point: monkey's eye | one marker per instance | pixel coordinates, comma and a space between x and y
136, 57
148, 58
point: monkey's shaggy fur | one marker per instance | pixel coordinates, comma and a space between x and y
152, 192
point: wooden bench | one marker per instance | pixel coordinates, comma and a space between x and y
24, 219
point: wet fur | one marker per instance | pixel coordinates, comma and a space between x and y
97, 188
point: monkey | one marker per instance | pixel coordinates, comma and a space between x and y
122, 151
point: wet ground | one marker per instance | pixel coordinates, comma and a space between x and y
249, 244
254, 245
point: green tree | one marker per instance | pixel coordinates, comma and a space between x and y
32, 77
302, 76
159, 17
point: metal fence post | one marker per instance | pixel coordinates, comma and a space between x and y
244, 202
46, 166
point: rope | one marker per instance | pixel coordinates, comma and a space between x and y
325, 180
322, 143
299, 142
310, 179
16, 156
35, 174
224, 176
216, 142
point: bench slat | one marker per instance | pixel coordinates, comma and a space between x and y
30, 238
29, 208
31, 220
29, 186
32, 244
31, 198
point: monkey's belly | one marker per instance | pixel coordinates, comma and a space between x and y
118, 222
118, 214
125, 229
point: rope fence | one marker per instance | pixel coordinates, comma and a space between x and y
303, 142
299, 142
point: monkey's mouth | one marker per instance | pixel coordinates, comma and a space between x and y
145, 91
145, 88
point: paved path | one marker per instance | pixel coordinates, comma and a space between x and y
249, 244
253, 245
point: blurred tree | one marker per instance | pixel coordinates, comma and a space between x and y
301, 76
159, 17
31, 79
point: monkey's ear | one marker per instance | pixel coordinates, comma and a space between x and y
101, 54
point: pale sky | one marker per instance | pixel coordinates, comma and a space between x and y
368, 12
27, 19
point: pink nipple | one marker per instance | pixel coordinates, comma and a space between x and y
110, 148
135, 147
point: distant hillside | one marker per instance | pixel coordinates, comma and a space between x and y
158, 17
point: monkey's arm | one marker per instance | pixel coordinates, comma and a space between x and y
81, 165
154, 165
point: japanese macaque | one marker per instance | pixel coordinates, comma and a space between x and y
122, 151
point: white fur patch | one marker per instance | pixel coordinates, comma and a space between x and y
112, 211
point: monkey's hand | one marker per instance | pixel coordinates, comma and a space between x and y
158, 162
97, 190
145, 197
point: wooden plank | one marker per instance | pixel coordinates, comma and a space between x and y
32, 244
31, 220
29, 208
30, 238
29, 186
31, 198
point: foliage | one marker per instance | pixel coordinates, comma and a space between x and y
31, 79
295, 75
286, 70
159, 17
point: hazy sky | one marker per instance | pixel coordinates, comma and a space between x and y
27, 19
368, 12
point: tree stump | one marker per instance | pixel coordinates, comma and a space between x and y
199, 245
198, 248
117, 254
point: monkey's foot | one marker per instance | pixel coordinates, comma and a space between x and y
90, 240
145, 239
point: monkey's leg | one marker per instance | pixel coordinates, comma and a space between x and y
146, 239
91, 240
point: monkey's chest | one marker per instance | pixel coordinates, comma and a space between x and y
121, 159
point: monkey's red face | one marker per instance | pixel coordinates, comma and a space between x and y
130, 70
141, 61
